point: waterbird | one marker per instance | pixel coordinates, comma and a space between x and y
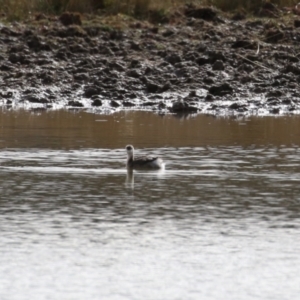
142, 162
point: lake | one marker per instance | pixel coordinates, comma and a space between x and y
222, 221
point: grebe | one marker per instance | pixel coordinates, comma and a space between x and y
142, 162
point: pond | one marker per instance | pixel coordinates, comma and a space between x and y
222, 221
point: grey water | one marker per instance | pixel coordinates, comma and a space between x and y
222, 221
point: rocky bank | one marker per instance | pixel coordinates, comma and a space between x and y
199, 61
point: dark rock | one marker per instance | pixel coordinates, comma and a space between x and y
9, 32
92, 30
106, 51
29, 91
97, 102
211, 73
274, 93
291, 69
218, 65
269, 6
62, 54
75, 103
287, 101
274, 35
17, 58
203, 60
251, 57
208, 80
148, 71
116, 35
277, 83
182, 106
70, 31
119, 96
70, 19
221, 90
14, 58
192, 94
130, 95
259, 90
192, 56
245, 67
162, 105
155, 97
47, 77
36, 99
237, 106
275, 111
209, 98
165, 87
154, 29
81, 77
286, 57
40, 16
173, 58
116, 66
216, 55
128, 104
148, 103
245, 44
6, 67
268, 10
6, 95
272, 101
77, 48
133, 73
143, 79
245, 79
135, 46
43, 61
256, 24
152, 87
201, 48
239, 16
115, 103
183, 72
168, 33
205, 13
135, 64
90, 91
297, 23
156, 16
34, 43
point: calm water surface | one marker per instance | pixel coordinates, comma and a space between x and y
222, 221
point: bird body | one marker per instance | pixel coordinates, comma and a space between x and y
142, 162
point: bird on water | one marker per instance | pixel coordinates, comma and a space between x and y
142, 162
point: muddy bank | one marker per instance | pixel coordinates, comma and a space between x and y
202, 61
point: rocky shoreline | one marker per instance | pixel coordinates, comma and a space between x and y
198, 62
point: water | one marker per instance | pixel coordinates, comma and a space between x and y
220, 222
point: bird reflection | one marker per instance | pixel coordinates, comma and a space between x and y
130, 178
130, 175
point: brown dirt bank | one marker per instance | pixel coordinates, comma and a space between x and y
200, 61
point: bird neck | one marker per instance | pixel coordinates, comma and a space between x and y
130, 156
